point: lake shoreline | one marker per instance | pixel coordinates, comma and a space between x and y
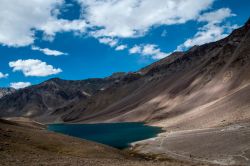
117, 135
23, 143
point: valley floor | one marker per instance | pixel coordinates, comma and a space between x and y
29, 143
229, 145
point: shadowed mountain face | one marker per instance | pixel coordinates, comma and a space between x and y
207, 86
41, 100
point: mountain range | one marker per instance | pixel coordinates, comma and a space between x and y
206, 86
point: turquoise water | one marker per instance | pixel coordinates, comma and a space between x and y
118, 135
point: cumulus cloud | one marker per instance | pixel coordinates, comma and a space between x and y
216, 16
52, 26
20, 19
19, 85
212, 30
148, 50
131, 18
105, 20
121, 47
48, 51
34, 67
109, 41
2, 75
206, 34
112, 43
108, 21
135, 50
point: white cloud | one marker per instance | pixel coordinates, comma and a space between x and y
48, 51
52, 26
206, 34
34, 67
135, 50
109, 41
148, 50
106, 20
216, 16
20, 19
3, 75
121, 47
153, 51
212, 31
131, 18
19, 85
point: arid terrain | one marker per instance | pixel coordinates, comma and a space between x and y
201, 98
227, 145
207, 86
24, 142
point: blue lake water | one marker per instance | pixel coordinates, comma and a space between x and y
118, 135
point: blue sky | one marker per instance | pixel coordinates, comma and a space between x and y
79, 39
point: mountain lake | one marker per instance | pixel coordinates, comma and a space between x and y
118, 135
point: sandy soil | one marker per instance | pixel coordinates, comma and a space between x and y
229, 145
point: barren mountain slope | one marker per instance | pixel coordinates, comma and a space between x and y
39, 101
